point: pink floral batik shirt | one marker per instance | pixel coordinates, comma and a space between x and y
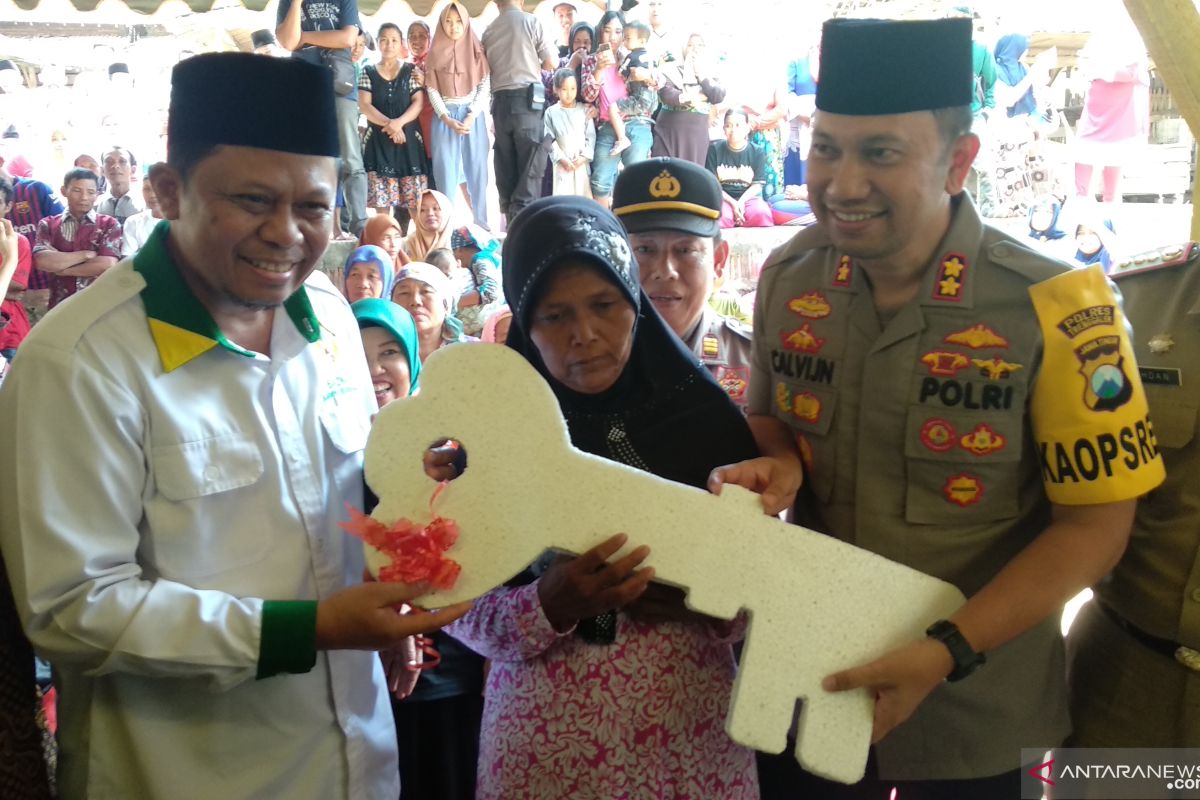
643, 717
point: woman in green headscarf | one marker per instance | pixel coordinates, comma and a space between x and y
389, 338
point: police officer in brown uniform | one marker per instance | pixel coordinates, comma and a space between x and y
672, 210
1134, 652
963, 405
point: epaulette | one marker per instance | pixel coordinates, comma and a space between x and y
1023, 259
739, 328
321, 282
63, 329
808, 239
1159, 258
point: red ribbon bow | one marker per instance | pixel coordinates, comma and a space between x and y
415, 550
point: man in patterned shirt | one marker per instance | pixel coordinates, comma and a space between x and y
76, 246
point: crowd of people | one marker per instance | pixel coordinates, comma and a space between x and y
175, 550
569, 109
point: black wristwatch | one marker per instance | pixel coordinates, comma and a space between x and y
966, 660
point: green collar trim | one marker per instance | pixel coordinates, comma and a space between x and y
181, 326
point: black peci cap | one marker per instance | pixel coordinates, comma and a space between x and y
871, 67
668, 194
250, 100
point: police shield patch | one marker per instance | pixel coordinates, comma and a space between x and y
1106, 387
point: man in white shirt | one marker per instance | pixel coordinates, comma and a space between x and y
181, 444
135, 231
119, 164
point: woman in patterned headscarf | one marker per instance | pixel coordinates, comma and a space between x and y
424, 291
639, 694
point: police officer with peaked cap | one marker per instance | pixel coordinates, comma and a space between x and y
961, 404
671, 209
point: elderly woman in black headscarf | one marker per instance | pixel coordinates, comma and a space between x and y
583, 700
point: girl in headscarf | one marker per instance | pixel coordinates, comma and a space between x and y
456, 77
391, 99
1095, 241
368, 272
424, 291
1018, 99
561, 660
495, 330
1049, 227
1014, 131
383, 231
437, 711
479, 254
1044, 222
431, 225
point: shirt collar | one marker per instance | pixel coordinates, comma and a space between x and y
181, 326
948, 280
89, 217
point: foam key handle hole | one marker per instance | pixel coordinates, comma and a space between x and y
446, 459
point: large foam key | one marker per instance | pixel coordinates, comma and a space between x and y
816, 605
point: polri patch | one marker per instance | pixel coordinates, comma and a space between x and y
943, 362
938, 435
810, 305
977, 337
963, 489
734, 381
995, 369
983, 440
802, 340
806, 406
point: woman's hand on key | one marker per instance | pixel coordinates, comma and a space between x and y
587, 586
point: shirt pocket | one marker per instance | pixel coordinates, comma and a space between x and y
961, 467
809, 412
208, 517
346, 426
1173, 417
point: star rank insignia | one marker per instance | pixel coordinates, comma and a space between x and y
950, 277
